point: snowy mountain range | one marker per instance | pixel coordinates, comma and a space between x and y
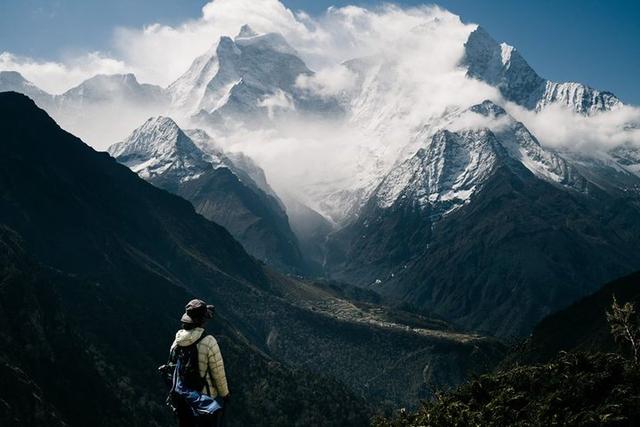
430, 196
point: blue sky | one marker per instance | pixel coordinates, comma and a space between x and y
594, 42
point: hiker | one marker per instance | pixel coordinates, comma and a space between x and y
197, 394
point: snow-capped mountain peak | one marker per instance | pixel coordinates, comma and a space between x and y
159, 146
249, 79
445, 174
525, 148
157, 136
457, 160
501, 65
267, 41
13, 78
111, 89
109, 84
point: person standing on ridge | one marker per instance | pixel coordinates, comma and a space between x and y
199, 383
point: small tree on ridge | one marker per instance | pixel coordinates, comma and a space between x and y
624, 326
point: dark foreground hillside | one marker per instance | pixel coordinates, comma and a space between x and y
583, 325
571, 371
573, 389
74, 353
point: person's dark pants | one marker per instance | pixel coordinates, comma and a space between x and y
210, 420
201, 421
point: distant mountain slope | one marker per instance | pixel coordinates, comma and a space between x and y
163, 154
486, 228
583, 325
115, 258
101, 109
15, 82
111, 88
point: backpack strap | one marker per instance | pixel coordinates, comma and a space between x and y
206, 383
203, 336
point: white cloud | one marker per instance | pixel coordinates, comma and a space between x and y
278, 101
471, 120
328, 82
560, 128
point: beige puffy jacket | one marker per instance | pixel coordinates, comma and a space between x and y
209, 359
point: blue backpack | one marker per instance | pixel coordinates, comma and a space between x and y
185, 396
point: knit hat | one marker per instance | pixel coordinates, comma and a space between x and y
197, 311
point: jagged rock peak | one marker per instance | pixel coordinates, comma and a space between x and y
488, 108
502, 66
246, 31
580, 98
444, 174
160, 124
158, 136
489, 60
159, 147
